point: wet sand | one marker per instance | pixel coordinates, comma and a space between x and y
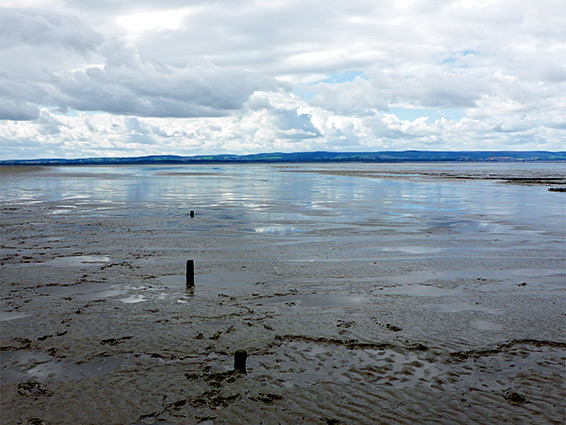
5, 170
426, 172
367, 301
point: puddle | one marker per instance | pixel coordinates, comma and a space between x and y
419, 291
21, 365
63, 210
228, 283
461, 224
217, 280
134, 299
173, 280
78, 261
84, 291
316, 300
484, 325
414, 249
11, 315
460, 307
279, 230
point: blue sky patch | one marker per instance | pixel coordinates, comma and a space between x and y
343, 77
307, 92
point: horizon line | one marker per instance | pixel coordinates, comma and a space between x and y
312, 156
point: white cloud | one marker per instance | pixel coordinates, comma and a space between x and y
241, 76
154, 20
126, 83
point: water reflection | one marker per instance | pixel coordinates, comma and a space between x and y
278, 230
265, 197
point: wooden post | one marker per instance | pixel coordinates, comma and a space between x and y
190, 273
240, 361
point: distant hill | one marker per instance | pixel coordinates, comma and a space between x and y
405, 156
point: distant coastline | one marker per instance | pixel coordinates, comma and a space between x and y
302, 157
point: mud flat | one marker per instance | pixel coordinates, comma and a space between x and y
358, 300
513, 173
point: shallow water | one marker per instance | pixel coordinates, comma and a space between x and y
265, 199
316, 300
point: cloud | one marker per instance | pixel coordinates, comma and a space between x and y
356, 97
293, 125
17, 110
87, 78
42, 27
145, 88
125, 83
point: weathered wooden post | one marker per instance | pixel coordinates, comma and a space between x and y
190, 273
240, 361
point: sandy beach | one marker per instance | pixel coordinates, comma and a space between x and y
362, 294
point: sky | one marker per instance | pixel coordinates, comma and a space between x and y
92, 78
